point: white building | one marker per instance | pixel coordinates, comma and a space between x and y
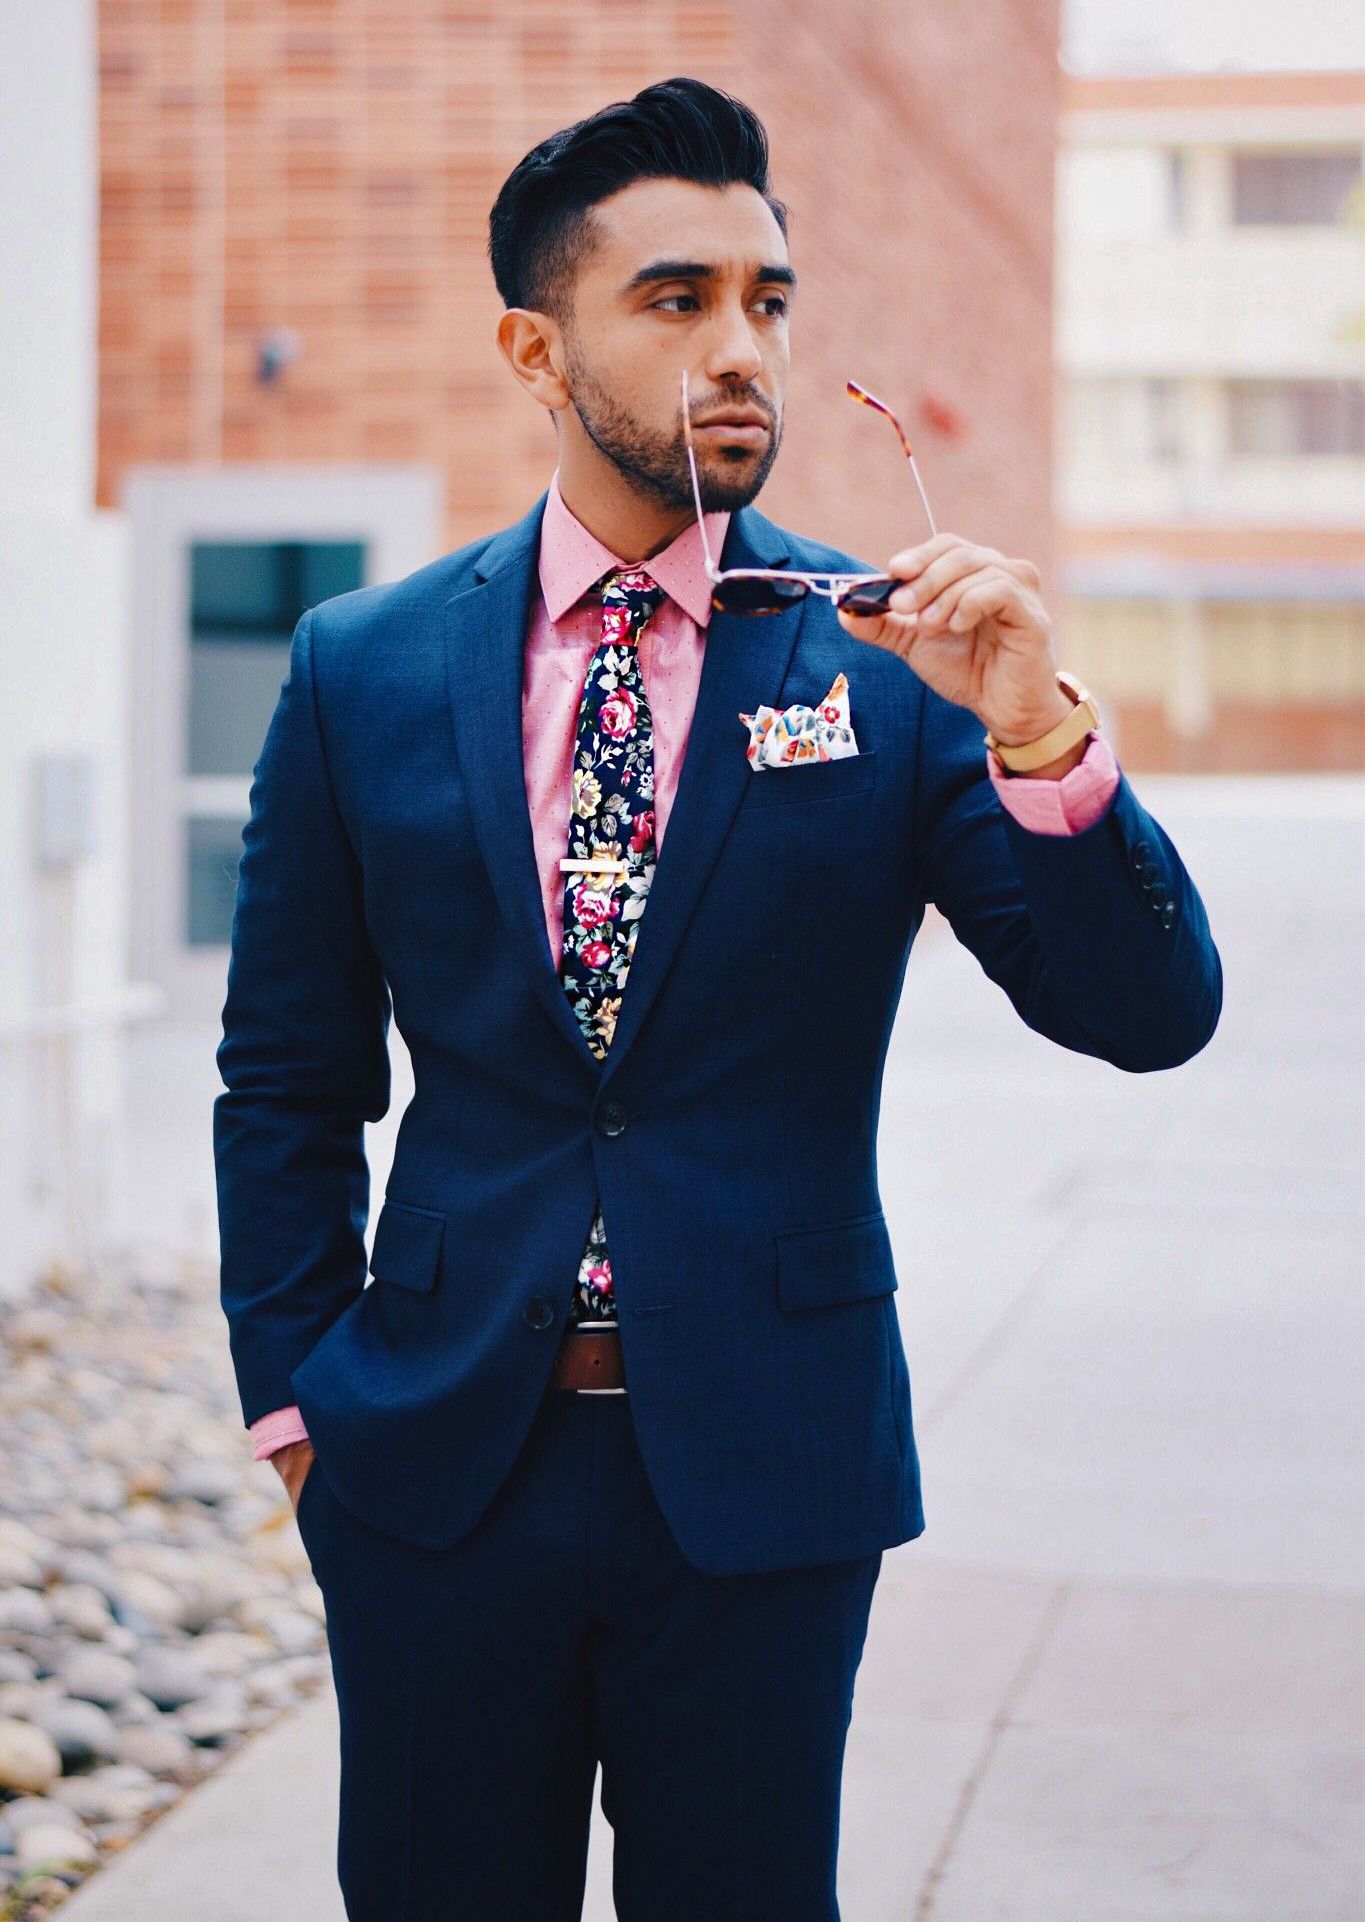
1211, 432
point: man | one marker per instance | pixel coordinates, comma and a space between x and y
608, 1452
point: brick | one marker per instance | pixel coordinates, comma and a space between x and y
349, 153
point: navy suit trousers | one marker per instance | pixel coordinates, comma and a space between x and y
480, 1685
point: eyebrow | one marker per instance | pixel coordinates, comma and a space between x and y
656, 270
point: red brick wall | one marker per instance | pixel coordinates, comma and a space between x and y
328, 165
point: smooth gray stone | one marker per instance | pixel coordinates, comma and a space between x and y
83, 1733
95, 1675
170, 1677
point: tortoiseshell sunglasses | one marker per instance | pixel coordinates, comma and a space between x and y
767, 590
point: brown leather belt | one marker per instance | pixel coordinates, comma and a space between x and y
590, 1360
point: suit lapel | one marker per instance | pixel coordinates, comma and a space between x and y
485, 637
744, 662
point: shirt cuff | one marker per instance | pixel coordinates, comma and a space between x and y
1059, 807
276, 1430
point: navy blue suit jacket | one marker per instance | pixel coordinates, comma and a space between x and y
388, 870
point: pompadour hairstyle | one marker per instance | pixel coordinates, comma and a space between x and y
541, 228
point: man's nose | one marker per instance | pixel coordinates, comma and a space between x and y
734, 354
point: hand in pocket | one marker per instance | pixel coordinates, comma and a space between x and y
293, 1463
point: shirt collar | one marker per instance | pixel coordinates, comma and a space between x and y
572, 560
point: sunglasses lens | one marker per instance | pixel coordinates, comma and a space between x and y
756, 597
869, 597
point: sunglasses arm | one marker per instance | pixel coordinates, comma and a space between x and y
701, 518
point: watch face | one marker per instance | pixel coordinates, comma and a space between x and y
1077, 689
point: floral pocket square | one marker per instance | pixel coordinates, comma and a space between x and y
800, 733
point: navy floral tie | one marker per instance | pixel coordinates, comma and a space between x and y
611, 856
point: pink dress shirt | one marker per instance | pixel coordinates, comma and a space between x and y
563, 635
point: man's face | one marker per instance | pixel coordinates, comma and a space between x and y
682, 276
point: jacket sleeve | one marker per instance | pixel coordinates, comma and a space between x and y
1099, 938
303, 1059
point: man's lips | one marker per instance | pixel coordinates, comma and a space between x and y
734, 430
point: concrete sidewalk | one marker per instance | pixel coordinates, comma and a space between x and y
1119, 1678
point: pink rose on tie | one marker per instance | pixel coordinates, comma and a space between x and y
617, 715
596, 954
643, 830
599, 1277
591, 907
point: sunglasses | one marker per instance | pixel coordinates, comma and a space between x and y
767, 590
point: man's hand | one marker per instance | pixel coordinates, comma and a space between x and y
293, 1462
971, 625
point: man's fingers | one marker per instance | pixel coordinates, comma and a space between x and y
894, 631
966, 601
911, 560
994, 593
297, 1490
963, 559
287, 1461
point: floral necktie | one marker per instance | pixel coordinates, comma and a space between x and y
611, 849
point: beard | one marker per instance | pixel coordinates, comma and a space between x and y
656, 463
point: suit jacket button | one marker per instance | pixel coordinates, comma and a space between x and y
612, 1119
1158, 895
539, 1311
1140, 852
1167, 915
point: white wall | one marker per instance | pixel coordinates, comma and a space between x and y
63, 594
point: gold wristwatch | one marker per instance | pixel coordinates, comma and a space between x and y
1026, 755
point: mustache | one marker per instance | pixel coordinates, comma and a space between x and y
725, 402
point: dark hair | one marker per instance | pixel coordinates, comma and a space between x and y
541, 229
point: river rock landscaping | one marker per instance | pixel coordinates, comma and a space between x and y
156, 1602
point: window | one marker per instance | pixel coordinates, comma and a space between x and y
1271, 419
245, 600
1163, 420
1285, 189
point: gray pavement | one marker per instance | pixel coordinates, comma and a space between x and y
1119, 1678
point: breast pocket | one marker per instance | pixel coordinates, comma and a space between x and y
811, 780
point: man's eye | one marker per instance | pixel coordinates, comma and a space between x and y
769, 300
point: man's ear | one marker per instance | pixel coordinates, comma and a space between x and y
533, 347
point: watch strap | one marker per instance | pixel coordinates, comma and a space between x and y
1083, 719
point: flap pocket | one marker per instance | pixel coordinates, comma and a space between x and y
407, 1245
840, 1261
811, 780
